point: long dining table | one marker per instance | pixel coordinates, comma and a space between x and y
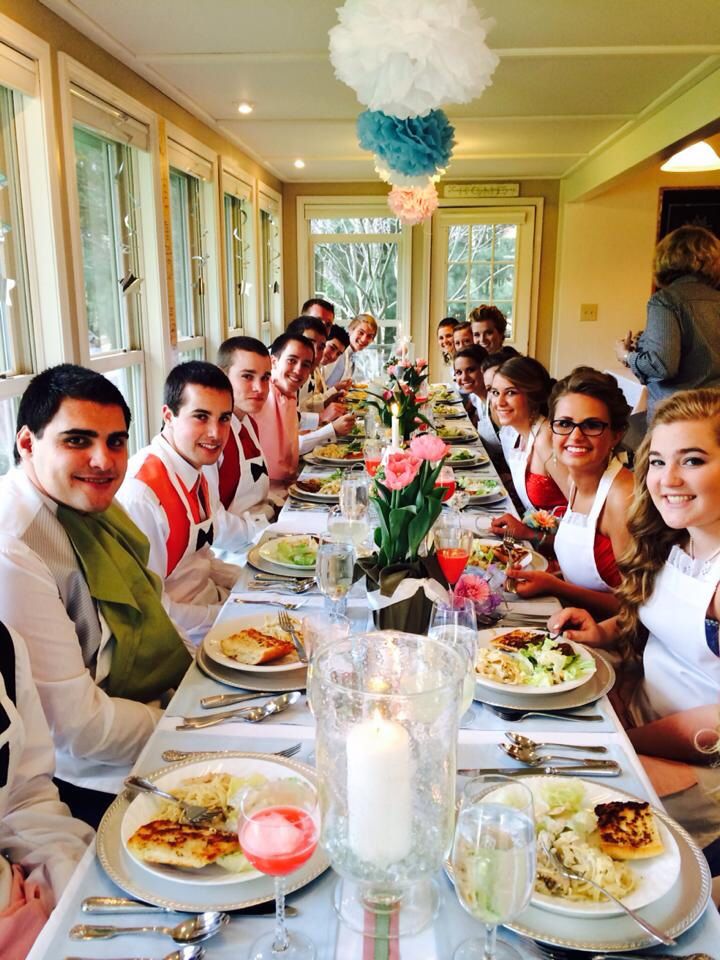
481, 730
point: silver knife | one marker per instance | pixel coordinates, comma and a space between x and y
276, 704
107, 905
227, 699
572, 770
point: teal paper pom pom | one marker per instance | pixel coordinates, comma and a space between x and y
418, 146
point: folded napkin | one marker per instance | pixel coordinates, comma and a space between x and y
434, 591
301, 521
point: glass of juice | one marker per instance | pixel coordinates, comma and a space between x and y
279, 826
446, 479
372, 452
452, 545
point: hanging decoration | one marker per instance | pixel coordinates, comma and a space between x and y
412, 205
415, 147
408, 57
400, 180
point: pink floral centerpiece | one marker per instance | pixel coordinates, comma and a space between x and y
404, 390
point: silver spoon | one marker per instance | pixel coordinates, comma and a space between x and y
193, 930
529, 744
184, 953
533, 759
251, 714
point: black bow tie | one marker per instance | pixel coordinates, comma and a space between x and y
204, 537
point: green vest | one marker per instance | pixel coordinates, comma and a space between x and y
149, 656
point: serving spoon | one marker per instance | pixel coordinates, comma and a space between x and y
533, 759
528, 744
192, 930
184, 953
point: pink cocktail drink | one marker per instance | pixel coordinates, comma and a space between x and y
371, 465
450, 487
278, 839
453, 561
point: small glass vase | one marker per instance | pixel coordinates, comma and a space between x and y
386, 707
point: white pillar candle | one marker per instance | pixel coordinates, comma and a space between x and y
395, 427
379, 798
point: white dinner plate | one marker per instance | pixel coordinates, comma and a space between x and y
484, 638
532, 561
316, 456
493, 489
240, 680
446, 411
299, 494
214, 637
655, 875
456, 434
478, 458
144, 808
268, 552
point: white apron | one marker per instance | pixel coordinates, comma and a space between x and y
12, 741
254, 484
575, 539
518, 459
680, 669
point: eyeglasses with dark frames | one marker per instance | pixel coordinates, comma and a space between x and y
588, 428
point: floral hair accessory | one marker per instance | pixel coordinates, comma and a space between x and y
543, 520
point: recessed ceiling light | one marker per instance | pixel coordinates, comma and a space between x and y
245, 107
299, 163
699, 156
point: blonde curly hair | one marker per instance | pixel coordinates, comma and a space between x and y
652, 539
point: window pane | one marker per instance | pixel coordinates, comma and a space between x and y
238, 254
16, 354
195, 353
188, 255
109, 233
8, 416
358, 278
130, 383
356, 225
457, 244
270, 253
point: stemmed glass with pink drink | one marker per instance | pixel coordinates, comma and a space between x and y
279, 828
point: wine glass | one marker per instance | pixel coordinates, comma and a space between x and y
493, 861
446, 479
279, 826
455, 624
334, 573
504, 790
354, 497
372, 453
452, 544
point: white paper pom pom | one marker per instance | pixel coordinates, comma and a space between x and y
406, 57
398, 179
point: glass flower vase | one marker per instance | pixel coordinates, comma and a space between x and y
386, 708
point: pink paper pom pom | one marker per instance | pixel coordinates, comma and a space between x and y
412, 205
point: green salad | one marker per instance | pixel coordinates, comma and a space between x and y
299, 551
458, 456
549, 662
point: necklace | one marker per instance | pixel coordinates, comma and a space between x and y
708, 560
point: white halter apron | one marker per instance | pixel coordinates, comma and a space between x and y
575, 538
681, 671
254, 484
518, 459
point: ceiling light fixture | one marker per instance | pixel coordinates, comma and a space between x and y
244, 107
299, 163
693, 159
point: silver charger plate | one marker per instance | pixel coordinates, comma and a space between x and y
673, 913
597, 686
272, 682
162, 892
306, 496
267, 566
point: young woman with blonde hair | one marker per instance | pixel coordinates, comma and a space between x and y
670, 603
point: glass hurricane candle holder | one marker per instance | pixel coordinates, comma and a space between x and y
386, 707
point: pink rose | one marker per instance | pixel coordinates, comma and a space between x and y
400, 470
429, 447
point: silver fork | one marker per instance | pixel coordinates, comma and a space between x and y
287, 625
193, 812
173, 756
571, 875
285, 604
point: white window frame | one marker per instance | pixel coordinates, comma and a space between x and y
269, 201
239, 183
202, 162
527, 213
156, 354
310, 208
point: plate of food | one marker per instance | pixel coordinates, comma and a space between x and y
481, 489
452, 434
448, 411
323, 488
492, 552
605, 835
466, 457
339, 453
265, 682
442, 393
297, 552
531, 661
254, 644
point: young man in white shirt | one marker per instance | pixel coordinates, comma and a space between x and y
361, 331
74, 583
167, 494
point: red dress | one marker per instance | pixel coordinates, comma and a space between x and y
605, 560
544, 493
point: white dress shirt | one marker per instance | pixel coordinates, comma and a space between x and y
36, 829
97, 737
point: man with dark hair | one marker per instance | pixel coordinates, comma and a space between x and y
240, 480
488, 326
293, 356
322, 309
445, 331
76, 586
320, 421
166, 493
338, 340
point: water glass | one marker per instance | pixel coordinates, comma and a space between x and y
334, 573
455, 625
493, 862
354, 497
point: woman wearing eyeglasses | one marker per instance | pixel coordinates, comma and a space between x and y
588, 417
670, 608
519, 395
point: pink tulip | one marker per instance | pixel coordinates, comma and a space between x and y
420, 364
429, 447
400, 470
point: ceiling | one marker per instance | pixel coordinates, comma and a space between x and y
573, 76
